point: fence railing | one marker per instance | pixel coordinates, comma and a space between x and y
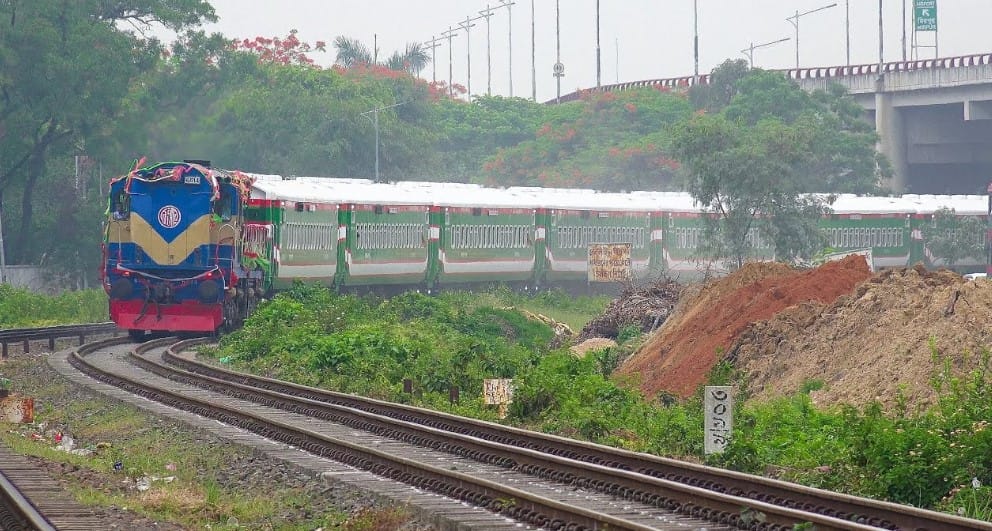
51, 333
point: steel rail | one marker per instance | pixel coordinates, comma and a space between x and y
22, 513
850, 508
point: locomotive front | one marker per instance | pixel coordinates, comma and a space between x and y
171, 249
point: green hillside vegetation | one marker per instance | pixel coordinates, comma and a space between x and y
369, 346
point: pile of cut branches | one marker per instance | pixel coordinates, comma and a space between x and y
645, 307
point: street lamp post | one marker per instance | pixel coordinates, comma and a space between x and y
794, 20
695, 42
598, 64
374, 119
749, 51
847, 29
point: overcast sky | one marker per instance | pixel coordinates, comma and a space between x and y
639, 39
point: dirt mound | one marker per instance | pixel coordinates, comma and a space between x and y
590, 345
678, 358
867, 345
645, 307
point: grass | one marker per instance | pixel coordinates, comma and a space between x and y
564, 308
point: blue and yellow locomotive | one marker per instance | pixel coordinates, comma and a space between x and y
172, 249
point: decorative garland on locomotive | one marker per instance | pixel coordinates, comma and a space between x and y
174, 253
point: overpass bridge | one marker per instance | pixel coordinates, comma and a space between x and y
933, 116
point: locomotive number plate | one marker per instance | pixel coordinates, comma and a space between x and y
191, 179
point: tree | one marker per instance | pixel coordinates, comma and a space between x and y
287, 50
952, 238
352, 53
747, 180
608, 141
722, 86
843, 158
65, 71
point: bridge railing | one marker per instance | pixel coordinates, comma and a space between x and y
942, 69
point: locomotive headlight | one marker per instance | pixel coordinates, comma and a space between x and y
208, 291
121, 289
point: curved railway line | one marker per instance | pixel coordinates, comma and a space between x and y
543, 480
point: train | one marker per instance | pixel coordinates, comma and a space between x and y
192, 248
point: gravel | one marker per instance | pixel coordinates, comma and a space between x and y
242, 471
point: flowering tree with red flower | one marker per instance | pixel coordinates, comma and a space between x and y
284, 51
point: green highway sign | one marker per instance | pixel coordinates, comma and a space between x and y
925, 15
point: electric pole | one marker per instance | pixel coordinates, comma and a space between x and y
533, 55
433, 43
509, 21
451, 33
467, 25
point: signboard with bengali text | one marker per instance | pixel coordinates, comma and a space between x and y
718, 417
609, 262
925, 15
497, 391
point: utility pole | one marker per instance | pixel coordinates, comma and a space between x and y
433, 43
794, 20
486, 14
509, 22
598, 63
467, 26
449, 35
749, 51
375, 123
533, 62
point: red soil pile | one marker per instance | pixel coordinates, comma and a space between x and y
680, 355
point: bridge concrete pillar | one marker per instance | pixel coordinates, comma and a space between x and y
892, 138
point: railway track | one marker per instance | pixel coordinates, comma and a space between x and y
31, 500
854, 509
521, 474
